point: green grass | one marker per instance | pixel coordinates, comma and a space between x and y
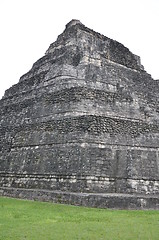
30, 220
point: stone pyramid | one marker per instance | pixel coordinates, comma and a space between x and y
82, 126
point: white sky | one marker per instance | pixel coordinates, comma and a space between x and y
28, 27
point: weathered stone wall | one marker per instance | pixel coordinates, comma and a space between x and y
83, 119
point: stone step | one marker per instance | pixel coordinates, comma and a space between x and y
109, 200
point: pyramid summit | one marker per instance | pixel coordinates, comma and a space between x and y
95, 45
82, 126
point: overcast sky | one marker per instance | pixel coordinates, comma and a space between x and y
28, 27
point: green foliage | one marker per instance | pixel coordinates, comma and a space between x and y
21, 220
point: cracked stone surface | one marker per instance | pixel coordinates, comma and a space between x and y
84, 119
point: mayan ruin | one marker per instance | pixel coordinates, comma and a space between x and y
82, 126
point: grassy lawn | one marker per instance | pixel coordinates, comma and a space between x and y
30, 220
